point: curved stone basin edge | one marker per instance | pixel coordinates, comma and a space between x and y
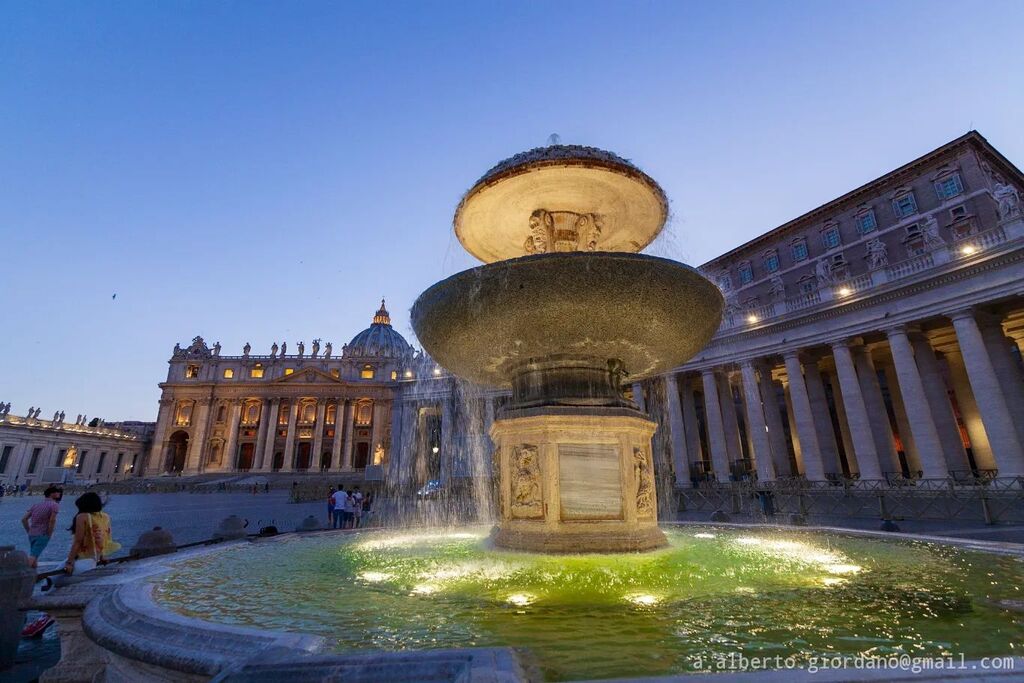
111, 625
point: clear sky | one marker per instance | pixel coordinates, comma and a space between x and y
256, 171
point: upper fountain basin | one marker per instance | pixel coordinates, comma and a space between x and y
648, 312
560, 198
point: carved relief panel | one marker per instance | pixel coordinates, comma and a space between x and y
525, 482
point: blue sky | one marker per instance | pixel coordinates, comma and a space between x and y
254, 171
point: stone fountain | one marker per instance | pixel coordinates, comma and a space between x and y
564, 311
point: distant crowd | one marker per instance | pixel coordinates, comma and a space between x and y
348, 509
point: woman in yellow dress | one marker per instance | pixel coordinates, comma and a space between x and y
93, 541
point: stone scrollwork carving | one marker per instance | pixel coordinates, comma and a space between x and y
1008, 200
777, 288
644, 484
823, 271
563, 231
526, 499
930, 234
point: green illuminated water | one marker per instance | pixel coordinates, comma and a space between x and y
712, 592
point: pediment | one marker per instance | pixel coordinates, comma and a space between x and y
307, 376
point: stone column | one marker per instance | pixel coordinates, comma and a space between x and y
716, 430
289, 443
856, 412
638, 396
394, 451
915, 402
822, 417
810, 448
1007, 367
350, 428
730, 423
938, 401
794, 435
268, 434
844, 443
995, 414
693, 445
902, 421
339, 435
677, 431
447, 439
773, 418
155, 463
318, 435
234, 418
377, 429
197, 444
980, 447
756, 424
881, 430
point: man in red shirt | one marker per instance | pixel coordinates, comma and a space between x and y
40, 520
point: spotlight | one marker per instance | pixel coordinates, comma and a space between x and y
968, 249
845, 291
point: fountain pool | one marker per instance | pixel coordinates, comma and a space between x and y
711, 592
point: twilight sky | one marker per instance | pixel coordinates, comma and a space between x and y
257, 171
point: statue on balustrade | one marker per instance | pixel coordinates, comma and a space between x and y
1008, 200
246, 349
302, 349
776, 287
327, 351
316, 348
273, 350
930, 234
823, 271
877, 254
284, 348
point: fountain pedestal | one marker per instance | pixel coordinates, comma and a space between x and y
576, 480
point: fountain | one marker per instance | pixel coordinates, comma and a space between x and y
562, 313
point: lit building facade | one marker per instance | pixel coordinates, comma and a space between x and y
876, 337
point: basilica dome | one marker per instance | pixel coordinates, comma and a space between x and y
379, 340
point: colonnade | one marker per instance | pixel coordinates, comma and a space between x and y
891, 403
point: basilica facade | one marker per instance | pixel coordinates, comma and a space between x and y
875, 338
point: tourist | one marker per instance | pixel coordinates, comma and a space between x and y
367, 502
330, 504
93, 541
349, 510
357, 507
40, 520
338, 500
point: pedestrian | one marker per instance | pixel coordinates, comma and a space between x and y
350, 514
93, 541
367, 502
40, 521
338, 509
357, 507
330, 505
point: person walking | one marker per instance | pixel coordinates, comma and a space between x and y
330, 505
93, 541
338, 500
357, 507
40, 521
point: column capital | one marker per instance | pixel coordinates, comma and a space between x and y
848, 342
707, 372
962, 313
900, 330
794, 354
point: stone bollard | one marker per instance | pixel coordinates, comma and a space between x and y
796, 519
16, 580
156, 542
231, 527
719, 516
310, 523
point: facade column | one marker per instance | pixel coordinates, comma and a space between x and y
915, 402
677, 430
856, 409
730, 423
757, 426
350, 428
392, 456
810, 448
822, 416
377, 429
715, 427
197, 444
155, 463
447, 439
980, 448
261, 436
230, 462
902, 422
794, 435
881, 430
289, 443
995, 414
339, 433
690, 428
268, 420
773, 418
318, 435
938, 400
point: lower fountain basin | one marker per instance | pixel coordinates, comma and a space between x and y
650, 313
713, 592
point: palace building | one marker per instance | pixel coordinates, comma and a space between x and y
876, 337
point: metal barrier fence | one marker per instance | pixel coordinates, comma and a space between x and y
992, 500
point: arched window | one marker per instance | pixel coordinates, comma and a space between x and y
183, 417
222, 412
331, 416
308, 412
364, 413
252, 413
367, 372
282, 415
